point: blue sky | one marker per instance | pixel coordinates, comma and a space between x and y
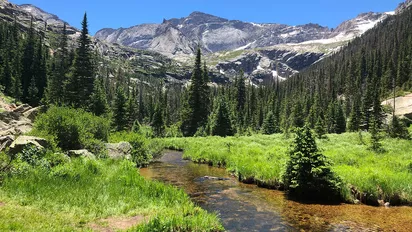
126, 13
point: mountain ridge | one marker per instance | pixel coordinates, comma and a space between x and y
215, 34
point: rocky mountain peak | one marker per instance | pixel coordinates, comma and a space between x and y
359, 25
197, 17
403, 6
40, 14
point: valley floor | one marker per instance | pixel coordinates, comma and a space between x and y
370, 177
96, 195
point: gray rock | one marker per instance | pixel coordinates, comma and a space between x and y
9, 131
120, 150
6, 141
22, 141
172, 37
81, 153
32, 113
403, 106
22, 108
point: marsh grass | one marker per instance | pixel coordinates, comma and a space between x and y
385, 176
72, 195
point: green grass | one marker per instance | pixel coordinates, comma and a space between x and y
386, 175
71, 196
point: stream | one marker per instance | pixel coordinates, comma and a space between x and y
243, 207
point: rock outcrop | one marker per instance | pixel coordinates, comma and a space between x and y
403, 106
6, 141
23, 141
14, 123
120, 150
216, 34
81, 153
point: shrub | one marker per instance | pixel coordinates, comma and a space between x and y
32, 155
308, 174
143, 149
73, 128
173, 131
398, 129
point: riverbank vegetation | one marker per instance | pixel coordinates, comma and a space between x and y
366, 175
73, 196
87, 193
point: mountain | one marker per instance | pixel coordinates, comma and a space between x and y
216, 34
24, 13
263, 50
141, 61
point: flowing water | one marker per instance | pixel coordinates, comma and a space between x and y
244, 207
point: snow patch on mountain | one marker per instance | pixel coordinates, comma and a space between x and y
245, 47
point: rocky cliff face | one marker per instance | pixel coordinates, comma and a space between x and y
403, 6
214, 34
142, 62
24, 13
262, 51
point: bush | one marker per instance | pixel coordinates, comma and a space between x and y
143, 149
398, 129
73, 128
174, 131
308, 174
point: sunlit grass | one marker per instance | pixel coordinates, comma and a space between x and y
71, 196
385, 175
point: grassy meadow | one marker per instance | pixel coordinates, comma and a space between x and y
386, 176
79, 195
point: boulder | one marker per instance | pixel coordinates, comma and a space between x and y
32, 113
403, 106
22, 141
6, 141
10, 131
120, 150
81, 153
22, 108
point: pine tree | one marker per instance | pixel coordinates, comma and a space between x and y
308, 174
32, 93
27, 64
340, 119
297, 115
240, 97
120, 111
158, 123
7, 78
55, 82
269, 125
142, 109
375, 145
132, 108
40, 69
355, 115
98, 100
80, 83
222, 125
331, 120
195, 112
398, 129
320, 128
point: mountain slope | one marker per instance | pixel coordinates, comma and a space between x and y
140, 61
216, 34
262, 51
